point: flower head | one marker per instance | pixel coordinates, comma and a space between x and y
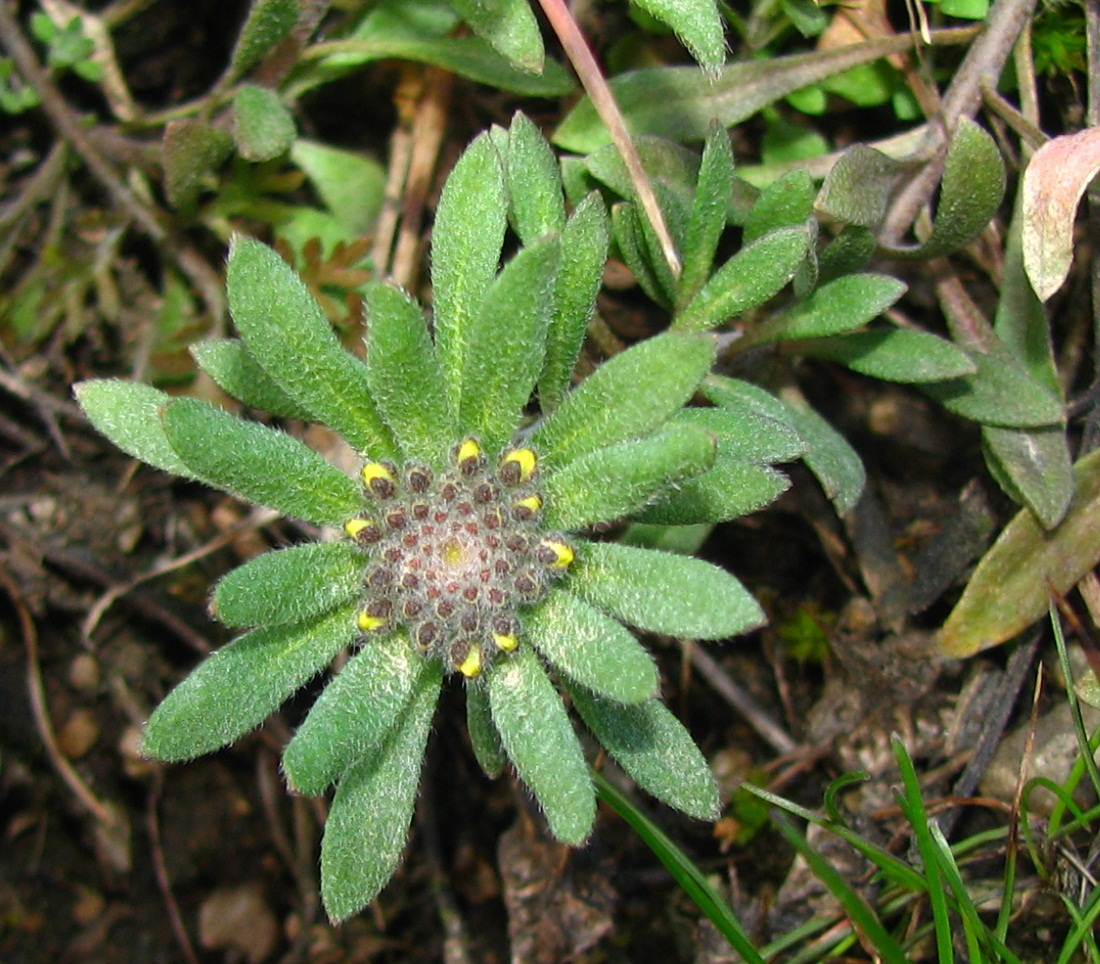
463, 547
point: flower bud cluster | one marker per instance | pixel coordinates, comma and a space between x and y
454, 556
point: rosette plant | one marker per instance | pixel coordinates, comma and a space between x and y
463, 549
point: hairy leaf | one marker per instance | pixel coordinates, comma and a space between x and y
236, 372
262, 127
894, 355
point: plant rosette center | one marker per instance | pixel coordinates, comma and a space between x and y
454, 556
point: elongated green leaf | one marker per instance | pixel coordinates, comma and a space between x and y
351, 184
698, 25
192, 150
662, 592
732, 488
736, 394
483, 732
506, 339
627, 396
1000, 392
591, 648
788, 202
368, 822
584, 243
650, 744
509, 26
681, 103
128, 413
837, 307
1033, 466
628, 229
285, 330
240, 685
708, 214
534, 180
970, 193
831, 458
745, 435
859, 186
356, 711
1012, 585
621, 479
236, 372
895, 355
289, 585
262, 127
404, 374
536, 732
259, 464
268, 22
752, 276
466, 245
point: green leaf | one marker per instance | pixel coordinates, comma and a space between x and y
591, 648
626, 397
268, 23
237, 373
466, 242
831, 459
894, 355
509, 26
732, 488
971, 191
632, 239
350, 184
404, 375
745, 435
534, 181
368, 822
539, 739
651, 745
484, 737
621, 479
662, 592
192, 151
708, 214
698, 25
262, 127
787, 202
756, 273
237, 687
128, 413
1033, 466
1000, 392
859, 186
681, 103
584, 243
506, 340
675, 167
259, 464
285, 330
1012, 586
834, 308
289, 585
356, 711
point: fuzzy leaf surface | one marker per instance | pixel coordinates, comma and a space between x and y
534, 181
1033, 466
356, 711
745, 435
289, 585
506, 340
484, 737
627, 396
128, 413
787, 202
895, 355
591, 648
509, 27
663, 593
238, 686
697, 23
368, 822
616, 481
263, 128
584, 242
192, 149
237, 373
285, 330
1012, 586
729, 490
708, 214
268, 22
259, 464
831, 458
756, 273
466, 242
651, 745
404, 374
536, 733
858, 188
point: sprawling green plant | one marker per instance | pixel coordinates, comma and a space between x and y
464, 547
